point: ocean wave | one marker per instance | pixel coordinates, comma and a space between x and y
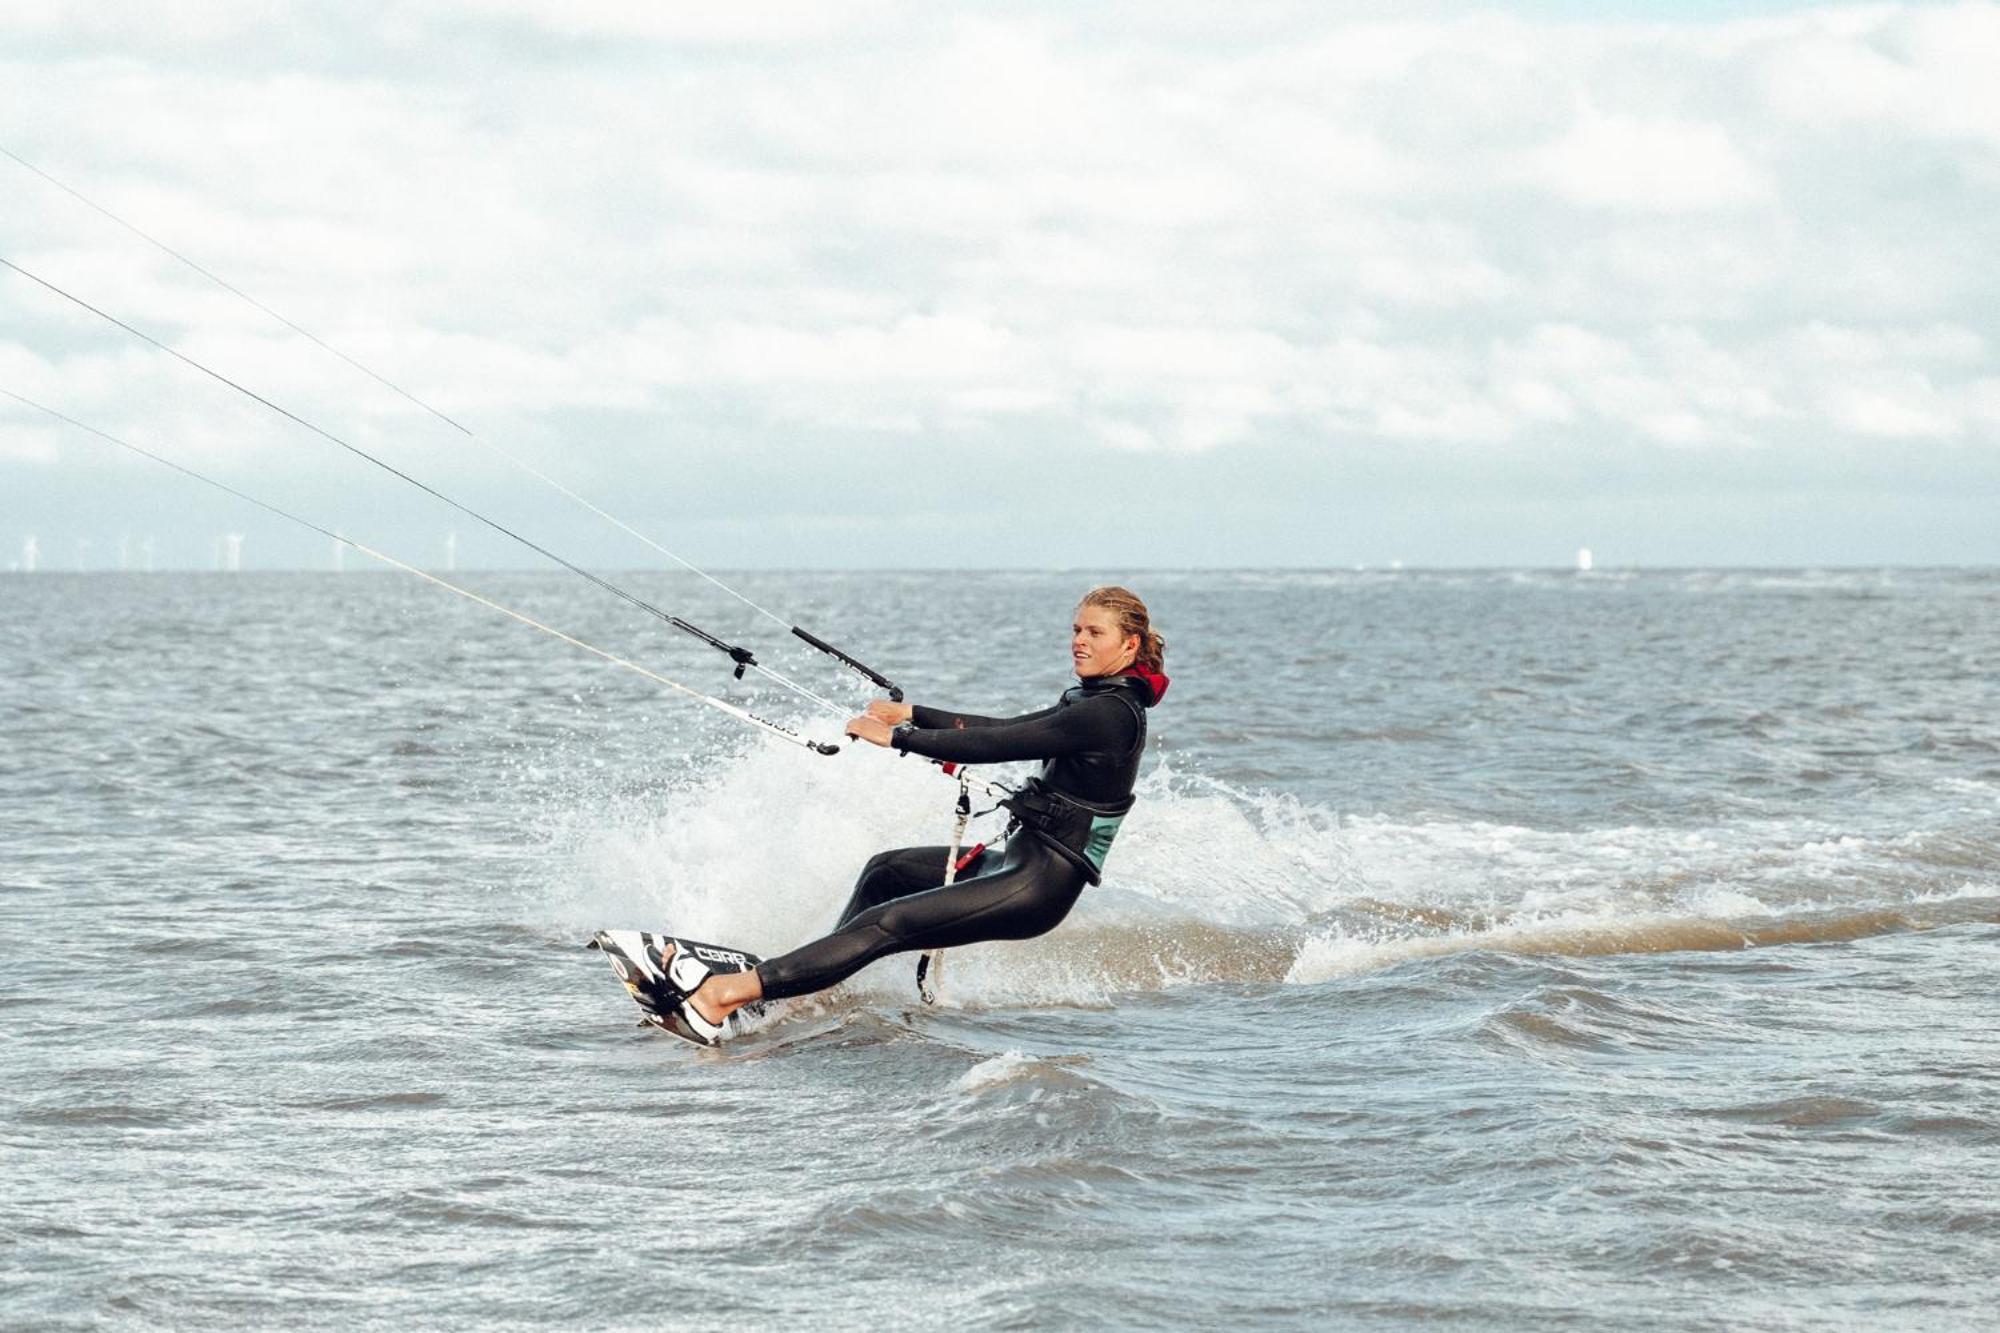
1334, 955
1013, 1067
1215, 883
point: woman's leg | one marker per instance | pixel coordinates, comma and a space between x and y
893, 874
1029, 893
897, 873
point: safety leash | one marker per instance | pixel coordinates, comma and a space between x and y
930, 966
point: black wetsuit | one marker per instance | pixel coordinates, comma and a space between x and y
1092, 738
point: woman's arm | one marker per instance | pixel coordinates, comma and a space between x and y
940, 719
895, 714
1088, 724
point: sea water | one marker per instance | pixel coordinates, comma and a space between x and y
1488, 950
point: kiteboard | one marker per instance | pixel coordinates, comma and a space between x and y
639, 960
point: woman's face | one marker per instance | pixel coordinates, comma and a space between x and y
1096, 646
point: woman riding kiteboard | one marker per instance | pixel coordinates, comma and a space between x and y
1091, 740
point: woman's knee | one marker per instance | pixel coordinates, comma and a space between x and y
876, 864
896, 920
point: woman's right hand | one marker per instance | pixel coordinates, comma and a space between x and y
892, 713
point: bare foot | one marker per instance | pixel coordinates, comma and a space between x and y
704, 1002
713, 999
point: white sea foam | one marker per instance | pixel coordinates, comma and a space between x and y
1343, 953
1208, 881
1958, 893
1002, 1068
757, 849
1762, 865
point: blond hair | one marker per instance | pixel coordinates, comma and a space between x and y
1132, 619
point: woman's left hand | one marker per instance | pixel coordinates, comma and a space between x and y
871, 729
892, 713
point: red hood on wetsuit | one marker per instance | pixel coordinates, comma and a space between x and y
1154, 680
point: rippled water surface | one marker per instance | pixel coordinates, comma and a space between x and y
1488, 950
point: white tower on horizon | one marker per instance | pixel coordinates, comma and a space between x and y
451, 552
235, 558
1584, 560
31, 554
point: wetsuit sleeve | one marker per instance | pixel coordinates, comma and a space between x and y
1089, 724
941, 719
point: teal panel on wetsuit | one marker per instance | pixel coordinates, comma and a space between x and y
1103, 828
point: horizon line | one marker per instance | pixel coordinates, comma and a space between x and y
1394, 568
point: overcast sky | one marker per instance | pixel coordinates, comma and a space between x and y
1132, 284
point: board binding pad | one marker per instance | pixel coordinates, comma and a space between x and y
637, 958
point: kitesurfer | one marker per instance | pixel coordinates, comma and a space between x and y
1091, 740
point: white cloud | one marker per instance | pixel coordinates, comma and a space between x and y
1912, 71
1165, 229
781, 22
23, 441
1647, 166
1896, 407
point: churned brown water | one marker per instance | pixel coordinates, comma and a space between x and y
1488, 951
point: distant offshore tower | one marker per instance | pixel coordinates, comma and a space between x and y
1584, 560
31, 555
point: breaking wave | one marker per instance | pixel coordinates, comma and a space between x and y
1214, 883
